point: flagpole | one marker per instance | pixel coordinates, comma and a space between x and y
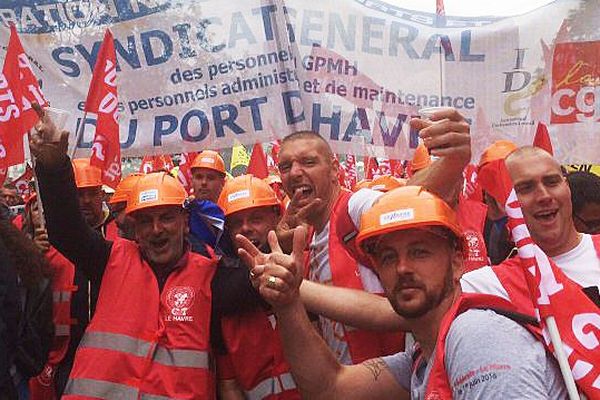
561, 357
36, 185
79, 135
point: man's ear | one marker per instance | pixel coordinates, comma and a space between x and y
457, 263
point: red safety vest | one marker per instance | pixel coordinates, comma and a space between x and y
345, 272
110, 231
41, 387
146, 344
510, 274
256, 354
471, 218
438, 385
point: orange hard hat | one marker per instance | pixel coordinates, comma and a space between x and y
364, 183
155, 189
209, 159
86, 175
498, 150
124, 188
421, 158
385, 183
245, 192
404, 208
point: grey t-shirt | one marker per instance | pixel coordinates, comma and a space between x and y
488, 356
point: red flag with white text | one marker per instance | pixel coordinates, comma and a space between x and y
19, 88
184, 174
553, 294
22, 182
350, 175
102, 100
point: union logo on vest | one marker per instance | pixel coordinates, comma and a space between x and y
179, 300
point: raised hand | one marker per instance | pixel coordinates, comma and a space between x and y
47, 145
294, 216
40, 239
276, 275
445, 134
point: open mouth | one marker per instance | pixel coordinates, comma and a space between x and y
303, 191
160, 245
546, 216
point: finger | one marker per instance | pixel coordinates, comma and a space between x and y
40, 230
247, 245
274, 242
442, 127
418, 123
39, 110
447, 113
308, 209
299, 245
450, 139
247, 259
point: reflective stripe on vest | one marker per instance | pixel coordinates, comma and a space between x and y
107, 390
141, 348
270, 386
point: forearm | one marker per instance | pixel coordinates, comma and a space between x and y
352, 307
312, 363
443, 177
67, 230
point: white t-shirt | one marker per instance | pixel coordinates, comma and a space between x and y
332, 331
580, 264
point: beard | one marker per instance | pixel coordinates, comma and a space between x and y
430, 302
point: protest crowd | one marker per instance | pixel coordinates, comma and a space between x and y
432, 278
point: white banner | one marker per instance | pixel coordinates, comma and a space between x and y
204, 74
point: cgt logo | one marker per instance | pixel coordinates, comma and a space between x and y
576, 83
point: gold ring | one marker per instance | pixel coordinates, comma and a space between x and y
271, 282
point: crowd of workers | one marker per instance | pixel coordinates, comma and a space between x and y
289, 287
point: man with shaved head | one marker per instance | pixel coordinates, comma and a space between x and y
545, 200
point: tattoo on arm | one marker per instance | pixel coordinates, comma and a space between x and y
375, 367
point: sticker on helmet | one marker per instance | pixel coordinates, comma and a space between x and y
207, 160
148, 195
405, 214
242, 194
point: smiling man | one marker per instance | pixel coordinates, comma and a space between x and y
467, 346
309, 173
151, 334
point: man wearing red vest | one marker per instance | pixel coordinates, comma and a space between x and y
309, 175
546, 203
467, 346
252, 364
150, 335
42, 387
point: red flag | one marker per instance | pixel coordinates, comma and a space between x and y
397, 168
18, 89
542, 138
184, 174
3, 173
350, 175
164, 162
384, 167
275, 151
371, 168
258, 162
102, 100
147, 165
22, 182
471, 190
553, 294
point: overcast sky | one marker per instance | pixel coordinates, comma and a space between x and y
474, 7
